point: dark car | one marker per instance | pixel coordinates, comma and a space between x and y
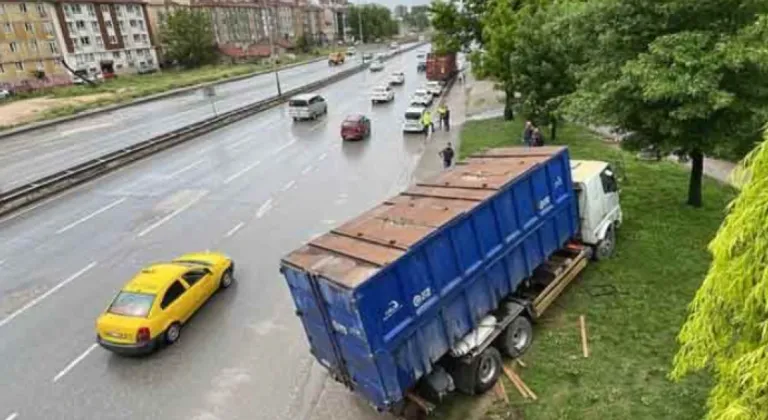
367, 56
355, 127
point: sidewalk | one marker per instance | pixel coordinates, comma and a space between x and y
456, 101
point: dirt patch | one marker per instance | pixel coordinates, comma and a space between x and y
27, 110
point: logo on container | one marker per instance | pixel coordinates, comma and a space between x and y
421, 297
393, 307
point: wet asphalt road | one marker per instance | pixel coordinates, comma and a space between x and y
254, 190
29, 156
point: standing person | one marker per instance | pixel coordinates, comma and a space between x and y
426, 121
537, 140
528, 133
447, 155
446, 118
441, 114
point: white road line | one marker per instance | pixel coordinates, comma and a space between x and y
242, 171
316, 126
322, 157
287, 187
74, 362
40, 298
238, 143
234, 229
82, 129
185, 169
90, 216
204, 150
307, 170
12, 416
264, 209
171, 215
285, 146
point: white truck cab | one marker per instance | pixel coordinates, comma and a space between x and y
599, 209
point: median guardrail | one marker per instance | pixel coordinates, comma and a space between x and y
50, 185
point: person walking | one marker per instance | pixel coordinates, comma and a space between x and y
447, 155
446, 118
441, 115
537, 140
426, 121
528, 133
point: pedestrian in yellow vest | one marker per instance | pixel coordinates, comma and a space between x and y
426, 121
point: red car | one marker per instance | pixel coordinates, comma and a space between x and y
355, 127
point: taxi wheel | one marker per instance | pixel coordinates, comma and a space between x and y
226, 279
173, 333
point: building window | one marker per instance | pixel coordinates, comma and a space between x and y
99, 41
74, 42
121, 25
53, 47
104, 8
112, 39
119, 10
19, 66
91, 10
141, 25
116, 55
85, 40
95, 26
8, 28
136, 38
133, 23
76, 8
33, 45
67, 10
14, 47
90, 57
29, 28
144, 38
41, 10
108, 23
23, 8
48, 28
128, 55
80, 24
71, 27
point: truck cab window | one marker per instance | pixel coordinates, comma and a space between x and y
608, 179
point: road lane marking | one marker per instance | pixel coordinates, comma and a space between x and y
51, 291
322, 157
171, 215
307, 170
241, 172
264, 209
316, 126
12, 416
185, 169
234, 229
74, 363
283, 147
90, 216
287, 187
238, 143
87, 128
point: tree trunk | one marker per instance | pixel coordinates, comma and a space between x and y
509, 113
553, 130
697, 172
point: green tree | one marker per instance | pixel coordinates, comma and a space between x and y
377, 22
457, 26
727, 328
686, 74
418, 18
188, 38
305, 43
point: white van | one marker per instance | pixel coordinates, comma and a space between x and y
412, 122
307, 107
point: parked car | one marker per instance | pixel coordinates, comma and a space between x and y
421, 59
422, 98
367, 56
355, 127
393, 45
434, 87
307, 106
351, 51
5, 93
382, 94
377, 65
397, 78
413, 117
151, 309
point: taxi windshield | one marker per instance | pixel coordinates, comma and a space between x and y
132, 304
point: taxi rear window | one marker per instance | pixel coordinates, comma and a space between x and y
412, 115
132, 304
297, 102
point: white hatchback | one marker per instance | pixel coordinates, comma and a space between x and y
382, 94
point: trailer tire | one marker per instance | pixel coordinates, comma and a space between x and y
604, 249
517, 337
479, 375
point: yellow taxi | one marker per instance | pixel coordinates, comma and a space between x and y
151, 308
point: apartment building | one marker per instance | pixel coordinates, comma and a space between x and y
30, 54
106, 37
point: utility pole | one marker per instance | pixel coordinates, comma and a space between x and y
273, 27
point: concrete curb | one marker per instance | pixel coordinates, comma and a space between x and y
55, 183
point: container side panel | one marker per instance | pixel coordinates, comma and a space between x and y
498, 279
384, 308
442, 262
533, 253
466, 244
508, 219
413, 274
524, 203
458, 319
548, 235
517, 266
387, 365
487, 229
479, 297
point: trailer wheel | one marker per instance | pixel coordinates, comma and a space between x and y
605, 248
517, 337
479, 375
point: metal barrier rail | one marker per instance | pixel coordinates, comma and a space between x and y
50, 185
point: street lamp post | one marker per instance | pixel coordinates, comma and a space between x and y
273, 25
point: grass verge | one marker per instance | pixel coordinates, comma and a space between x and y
660, 261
